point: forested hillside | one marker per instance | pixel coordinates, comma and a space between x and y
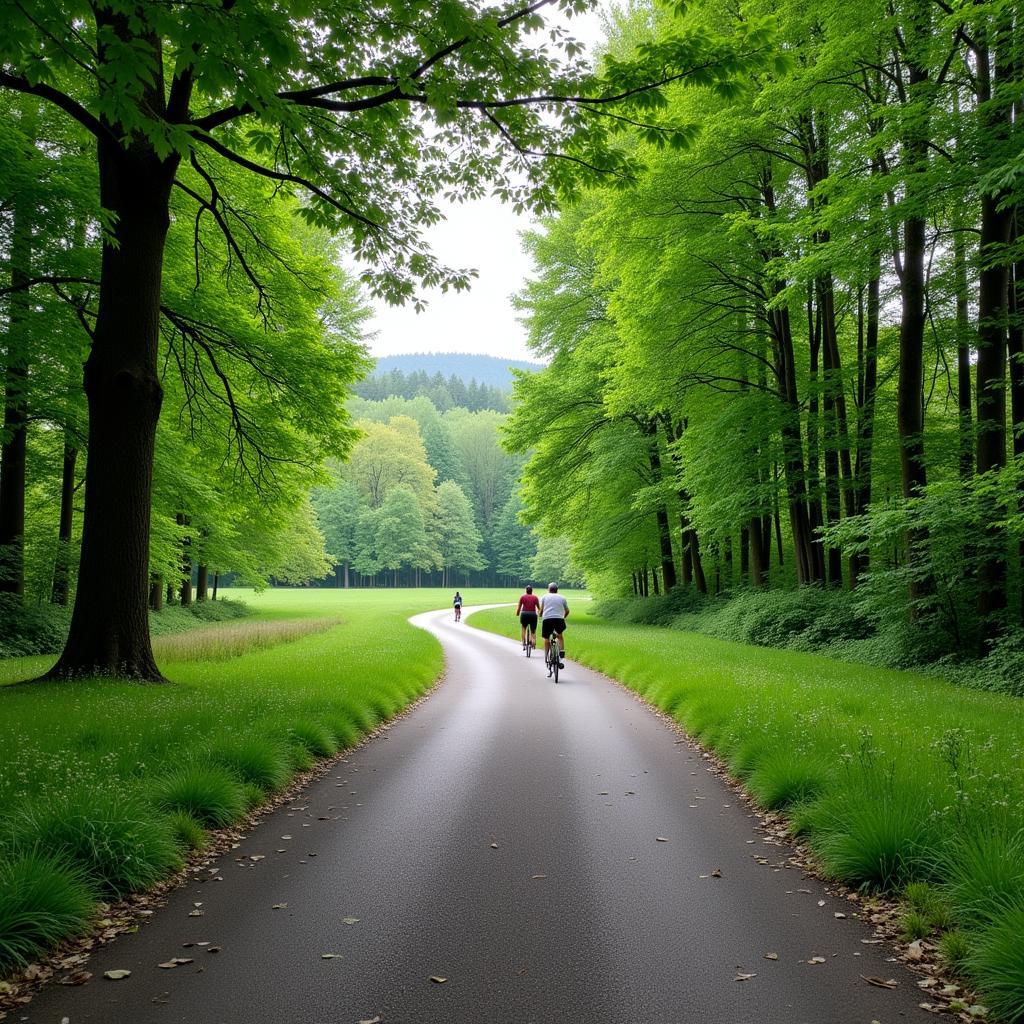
789, 358
485, 370
443, 393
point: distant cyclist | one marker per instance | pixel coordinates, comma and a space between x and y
527, 612
457, 603
554, 610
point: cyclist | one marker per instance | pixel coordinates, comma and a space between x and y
457, 603
554, 610
527, 612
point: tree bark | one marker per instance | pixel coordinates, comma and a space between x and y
202, 582
216, 581
62, 560
109, 633
758, 559
963, 357
156, 594
16, 384
993, 291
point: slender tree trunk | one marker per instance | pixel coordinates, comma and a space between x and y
62, 559
813, 473
963, 357
910, 387
202, 582
758, 557
185, 589
990, 371
156, 594
698, 564
216, 581
1016, 356
16, 384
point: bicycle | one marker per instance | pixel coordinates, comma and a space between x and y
553, 657
528, 643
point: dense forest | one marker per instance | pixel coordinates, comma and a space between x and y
430, 497
443, 393
789, 356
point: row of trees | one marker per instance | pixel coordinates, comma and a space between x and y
430, 499
792, 354
445, 393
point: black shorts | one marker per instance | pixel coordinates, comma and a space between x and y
528, 619
549, 626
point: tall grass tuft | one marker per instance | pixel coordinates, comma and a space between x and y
880, 835
784, 778
213, 796
984, 871
117, 841
219, 643
256, 760
996, 963
188, 832
317, 740
42, 900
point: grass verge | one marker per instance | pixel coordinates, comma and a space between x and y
105, 785
895, 778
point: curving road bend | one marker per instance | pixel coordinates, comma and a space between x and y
503, 836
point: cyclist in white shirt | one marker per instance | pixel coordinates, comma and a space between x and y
554, 610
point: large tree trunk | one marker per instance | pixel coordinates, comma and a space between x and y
910, 387
109, 633
990, 371
62, 559
16, 359
668, 566
202, 582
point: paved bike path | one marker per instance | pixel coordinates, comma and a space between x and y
504, 836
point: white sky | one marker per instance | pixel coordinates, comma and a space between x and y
483, 235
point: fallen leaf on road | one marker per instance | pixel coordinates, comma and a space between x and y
494, 846
771, 956
538, 876
371, 1020
330, 956
660, 839
437, 979
78, 977
350, 920
839, 915
257, 856
214, 949
871, 942
286, 837
740, 976
880, 982
821, 903
279, 906
914, 950
116, 975
816, 960
717, 873
196, 913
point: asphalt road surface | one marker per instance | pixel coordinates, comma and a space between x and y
504, 836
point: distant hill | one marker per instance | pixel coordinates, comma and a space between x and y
489, 370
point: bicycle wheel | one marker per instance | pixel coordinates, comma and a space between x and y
554, 657
529, 643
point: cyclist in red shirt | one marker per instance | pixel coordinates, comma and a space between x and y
527, 609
